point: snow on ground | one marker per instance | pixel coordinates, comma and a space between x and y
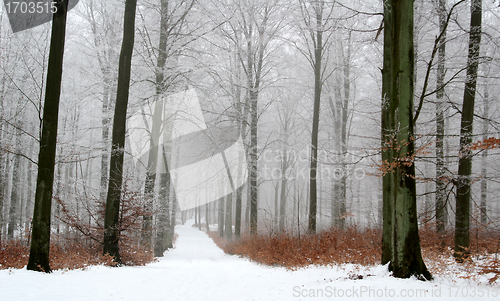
196, 269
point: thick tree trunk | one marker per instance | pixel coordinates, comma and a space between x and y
401, 242
111, 226
462, 240
40, 237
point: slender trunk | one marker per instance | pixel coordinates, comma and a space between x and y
343, 142
484, 157
282, 209
441, 211
147, 229
111, 225
40, 237
2, 155
463, 183
198, 212
105, 119
229, 217
220, 218
275, 226
162, 242
163, 215
242, 113
318, 48
237, 212
207, 222
173, 221
15, 199
253, 163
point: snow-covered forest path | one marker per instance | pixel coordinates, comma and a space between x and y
196, 269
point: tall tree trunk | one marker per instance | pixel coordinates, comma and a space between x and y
282, 206
105, 56
163, 216
106, 99
30, 169
318, 48
111, 226
254, 74
162, 241
441, 211
253, 163
338, 198
484, 157
237, 212
229, 217
15, 192
173, 221
463, 183
284, 166
220, 217
2, 154
207, 220
242, 123
156, 126
275, 222
40, 237
345, 115
401, 242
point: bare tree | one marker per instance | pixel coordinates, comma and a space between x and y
463, 183
401, 242
40, 237
316, 15
111, 234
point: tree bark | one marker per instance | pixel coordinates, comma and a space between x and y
318, 48
15, 192
441, 203
111, 225
463, 183
228, 219
484, 158
40, 237
284, 167
401, 242
220, 217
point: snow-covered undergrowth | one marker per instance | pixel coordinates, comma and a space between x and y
196, 269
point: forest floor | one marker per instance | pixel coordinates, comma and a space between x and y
196, 269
